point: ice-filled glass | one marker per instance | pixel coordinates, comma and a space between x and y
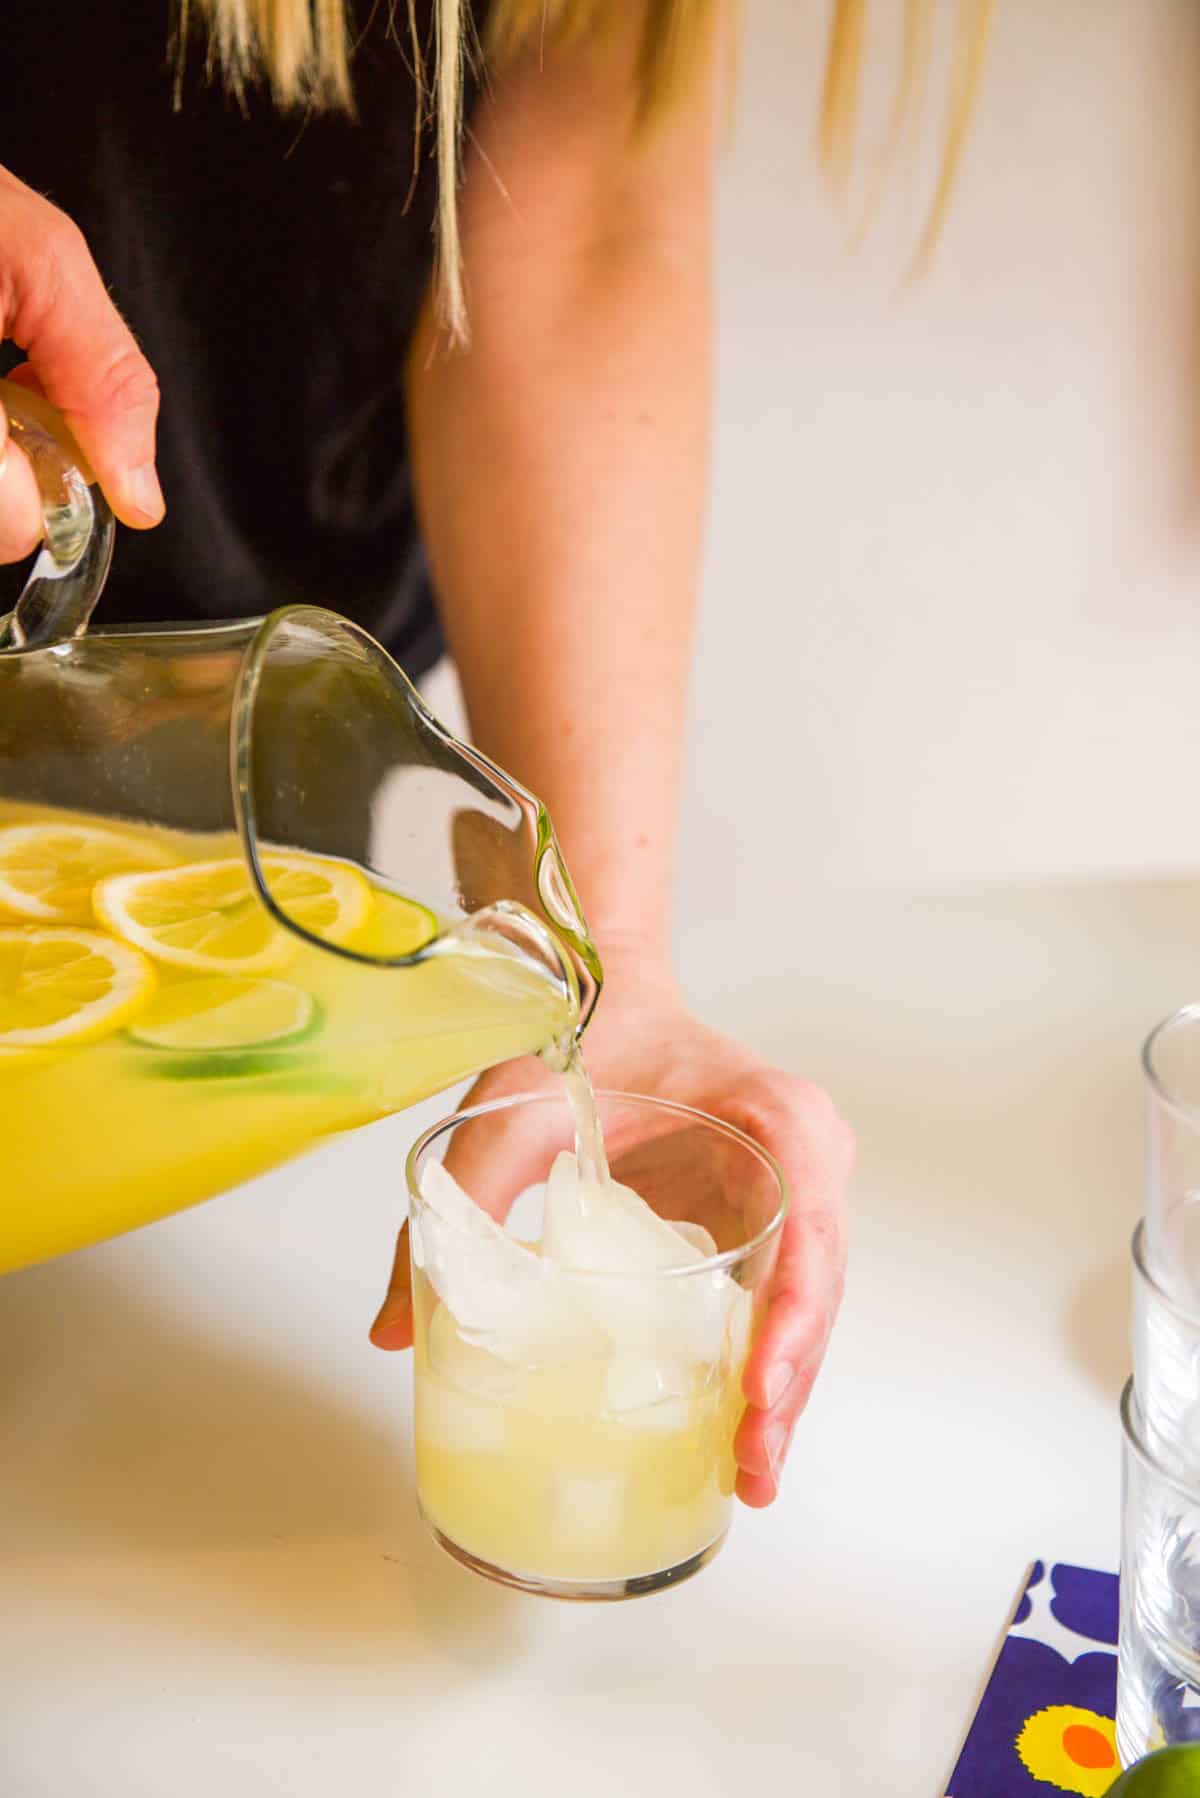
577, 1372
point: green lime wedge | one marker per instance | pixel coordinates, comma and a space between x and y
1171, 1773
224, 1012
394, 926
275, 1072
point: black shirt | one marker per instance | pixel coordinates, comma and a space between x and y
272, 272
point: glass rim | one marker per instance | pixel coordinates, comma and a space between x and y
726, 1259
1136, 1445
159, 631
262, 633
1183, 1108
574, 952
1150, 1279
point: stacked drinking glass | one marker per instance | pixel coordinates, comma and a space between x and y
1158, 1699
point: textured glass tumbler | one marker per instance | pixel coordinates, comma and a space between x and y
1171, 1065
574, 1430
1166, 1368
1158, 1680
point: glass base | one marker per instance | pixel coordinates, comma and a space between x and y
578, 1591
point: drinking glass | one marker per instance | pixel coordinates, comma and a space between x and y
1158, 1679
1171, 1064
574, 1431
1166, 1367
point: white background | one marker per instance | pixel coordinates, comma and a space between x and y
943, 729
951, 618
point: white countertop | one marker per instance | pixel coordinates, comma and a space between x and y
212, 1576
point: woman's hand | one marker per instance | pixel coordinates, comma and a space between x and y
82, 356
643, 1040
562, 515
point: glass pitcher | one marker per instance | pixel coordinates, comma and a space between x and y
251, 893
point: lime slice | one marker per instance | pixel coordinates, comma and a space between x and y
329, 899
1172, 1773
394, 926
67, 986
208, 917
230, 1011
278, 1071
47, 871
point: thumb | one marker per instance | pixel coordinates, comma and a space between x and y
81, 352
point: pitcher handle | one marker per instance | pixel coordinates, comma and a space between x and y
72, 565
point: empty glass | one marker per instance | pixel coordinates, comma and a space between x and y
1171, 1064
1166, 1367
1158, 1681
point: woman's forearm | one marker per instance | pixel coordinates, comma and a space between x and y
560, 467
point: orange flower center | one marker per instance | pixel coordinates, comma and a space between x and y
1087, 1747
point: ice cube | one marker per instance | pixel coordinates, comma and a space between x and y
459, 1425
591, 1507
739, 1317
465, 1365
607, 1228
648, 1393
485, 1278
503, 1297
562, 1208
696, 1235
446, 1198
609, 1231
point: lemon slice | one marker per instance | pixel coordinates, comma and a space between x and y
47, 871
228, 1011
329, 899
209, 918
67, 986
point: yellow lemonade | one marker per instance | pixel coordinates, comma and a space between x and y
533, 1470
163, 1038
576, 1396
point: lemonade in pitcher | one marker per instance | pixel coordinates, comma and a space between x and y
162, 1037
251, 892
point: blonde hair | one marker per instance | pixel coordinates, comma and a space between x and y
302, 49
843, 74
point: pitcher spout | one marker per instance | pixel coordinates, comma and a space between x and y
560, 902
429, 815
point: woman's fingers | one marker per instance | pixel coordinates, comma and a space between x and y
20, 506
799, 1125
804, 1302
53, 303
763, 1438
392, 1328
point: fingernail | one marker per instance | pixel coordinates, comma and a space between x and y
145, 492
778, 1381
776, 1440
394, 1310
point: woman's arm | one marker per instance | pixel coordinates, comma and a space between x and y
561, 462
560, 469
